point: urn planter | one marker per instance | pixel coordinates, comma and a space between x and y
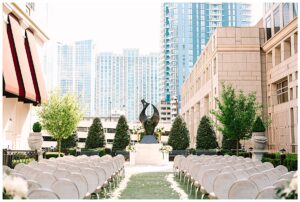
35, 141
259, 140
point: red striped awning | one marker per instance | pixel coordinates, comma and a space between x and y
11, 86
35, 67
17, 44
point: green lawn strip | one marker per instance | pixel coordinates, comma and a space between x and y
184, 188
149, 186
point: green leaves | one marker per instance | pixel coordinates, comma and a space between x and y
95, 137
179, 135
206, 137
122, 137
60, 115
235, 114
258, 125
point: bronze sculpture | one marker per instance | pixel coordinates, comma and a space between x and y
149, 124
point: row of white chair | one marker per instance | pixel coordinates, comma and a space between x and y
71, 177
221, 176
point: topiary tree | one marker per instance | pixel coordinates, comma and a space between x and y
122, 136
258, 125
206, 136
60, 116
37, 127
95, 137
179, 137
70, 142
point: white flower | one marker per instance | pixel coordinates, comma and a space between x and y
294, 183
130, 148
15, 186
166, 149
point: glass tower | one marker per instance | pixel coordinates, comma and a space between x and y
76, 67
123, 80
186, 28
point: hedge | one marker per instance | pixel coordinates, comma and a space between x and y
290, 161
48, 155
91, 152
72, 151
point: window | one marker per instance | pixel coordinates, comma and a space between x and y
290, 78
287, 48
215, 65
282, 91
286, 14
268, 28
296, 92
276, 21
291, 93
296, 75
278, 54
295, 9
296, 42
269, 60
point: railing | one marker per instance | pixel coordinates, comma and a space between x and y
13, 157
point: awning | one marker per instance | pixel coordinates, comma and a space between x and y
35, 67
11, 86
17, 44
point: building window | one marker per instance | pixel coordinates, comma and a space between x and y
295, 9
276, 20
278, 54
290, 78
215, 65
282, 91
286, 14
296, 75
268, 28
296, 42
291, 93
269, 60
296, 92
287, 48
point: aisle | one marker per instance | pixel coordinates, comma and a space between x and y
149, 182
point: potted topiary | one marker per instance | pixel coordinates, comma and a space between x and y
259, 139
35, 139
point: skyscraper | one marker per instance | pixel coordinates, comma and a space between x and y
123, 80
186, 28
76, 67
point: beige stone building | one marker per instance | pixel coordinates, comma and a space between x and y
281, 48
257, 59
232, 55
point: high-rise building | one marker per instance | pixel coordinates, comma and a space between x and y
186, 28
76, 72
122, 80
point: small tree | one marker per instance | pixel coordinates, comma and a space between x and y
179, 135
95, 137
235, 114
206, 136
122, 137
258, 125
70, 142
60, 116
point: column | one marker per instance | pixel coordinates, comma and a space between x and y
191, 128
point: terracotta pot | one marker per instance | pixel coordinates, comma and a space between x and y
35, 141
259, 140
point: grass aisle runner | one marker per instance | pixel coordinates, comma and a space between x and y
149, 186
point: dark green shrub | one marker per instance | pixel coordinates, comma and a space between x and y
122, 136
192, 151
269, 155
70, 142
258, 125
37, 127
101, 152
107, 150
72, 151
179, 137
95, 137
229, 144
206, 136
48, 155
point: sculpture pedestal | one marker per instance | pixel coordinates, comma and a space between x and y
257, 154
149, 154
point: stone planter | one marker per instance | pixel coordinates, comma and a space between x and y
259, 140
166, 157
132, 158
35, 141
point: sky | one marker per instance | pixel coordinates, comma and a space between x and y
113, 26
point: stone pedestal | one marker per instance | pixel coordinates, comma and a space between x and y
148, 154
132, 158
257, 154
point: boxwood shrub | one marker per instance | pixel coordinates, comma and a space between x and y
48, 155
